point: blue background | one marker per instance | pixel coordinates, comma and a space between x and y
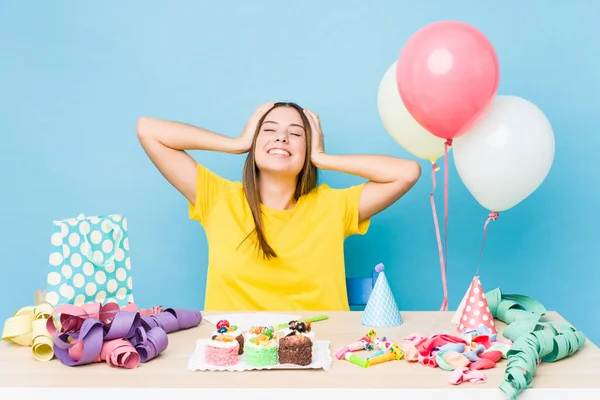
75, 77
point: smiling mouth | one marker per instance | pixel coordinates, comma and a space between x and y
279, 152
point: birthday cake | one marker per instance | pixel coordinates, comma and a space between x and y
296, 346
232, 331
222, 350
261, 347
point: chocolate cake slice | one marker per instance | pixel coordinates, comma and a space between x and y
296, 349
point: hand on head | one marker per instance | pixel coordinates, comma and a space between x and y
247, 136
317, 142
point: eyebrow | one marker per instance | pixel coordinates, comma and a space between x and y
277, 123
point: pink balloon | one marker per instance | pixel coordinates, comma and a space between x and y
448, 76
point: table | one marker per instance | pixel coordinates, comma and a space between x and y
168, 375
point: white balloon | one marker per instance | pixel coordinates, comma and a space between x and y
507, 155
400, 125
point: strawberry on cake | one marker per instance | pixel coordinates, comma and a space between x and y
224, 328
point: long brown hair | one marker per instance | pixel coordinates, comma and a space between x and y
306, 180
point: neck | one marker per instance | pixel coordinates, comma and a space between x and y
277, 191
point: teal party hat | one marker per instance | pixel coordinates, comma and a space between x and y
381, 309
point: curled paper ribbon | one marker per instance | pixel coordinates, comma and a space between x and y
27, 327
121, 337
125, 343
122, 326
520, 313
533, 341
172, 319
39, 296
143, 312
555, 342
116, 353
119, 353
150, 344
79, 348
72, 317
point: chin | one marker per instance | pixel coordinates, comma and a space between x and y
278, 169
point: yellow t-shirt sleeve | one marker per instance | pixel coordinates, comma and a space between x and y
209, 189
348, 200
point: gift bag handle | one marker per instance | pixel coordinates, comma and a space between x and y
113, 227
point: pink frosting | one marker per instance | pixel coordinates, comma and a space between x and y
222, 356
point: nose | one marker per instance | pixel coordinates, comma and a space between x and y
281, 137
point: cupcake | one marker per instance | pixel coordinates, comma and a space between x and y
232, 331
222, 350
261, 347
296, 345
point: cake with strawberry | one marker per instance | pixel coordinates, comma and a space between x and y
222, 350
224, 328
296, 344
261, 347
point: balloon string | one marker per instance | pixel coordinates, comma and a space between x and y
444, 306
491, 217
447, 144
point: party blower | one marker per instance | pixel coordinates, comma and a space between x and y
390, 354
354, 359
382, 345
364, 343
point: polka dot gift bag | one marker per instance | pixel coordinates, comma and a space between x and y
89, 261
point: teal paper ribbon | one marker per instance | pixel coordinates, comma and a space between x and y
534, 341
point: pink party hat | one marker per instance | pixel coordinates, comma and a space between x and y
459, 311
476, 311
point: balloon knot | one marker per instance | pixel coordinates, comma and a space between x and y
493, 215
449, 142
435, 167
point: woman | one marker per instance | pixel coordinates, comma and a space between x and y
276, 239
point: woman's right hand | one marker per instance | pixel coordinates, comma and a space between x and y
247, 136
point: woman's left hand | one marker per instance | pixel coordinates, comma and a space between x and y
318, 143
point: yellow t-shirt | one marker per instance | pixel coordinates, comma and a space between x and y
308, 273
